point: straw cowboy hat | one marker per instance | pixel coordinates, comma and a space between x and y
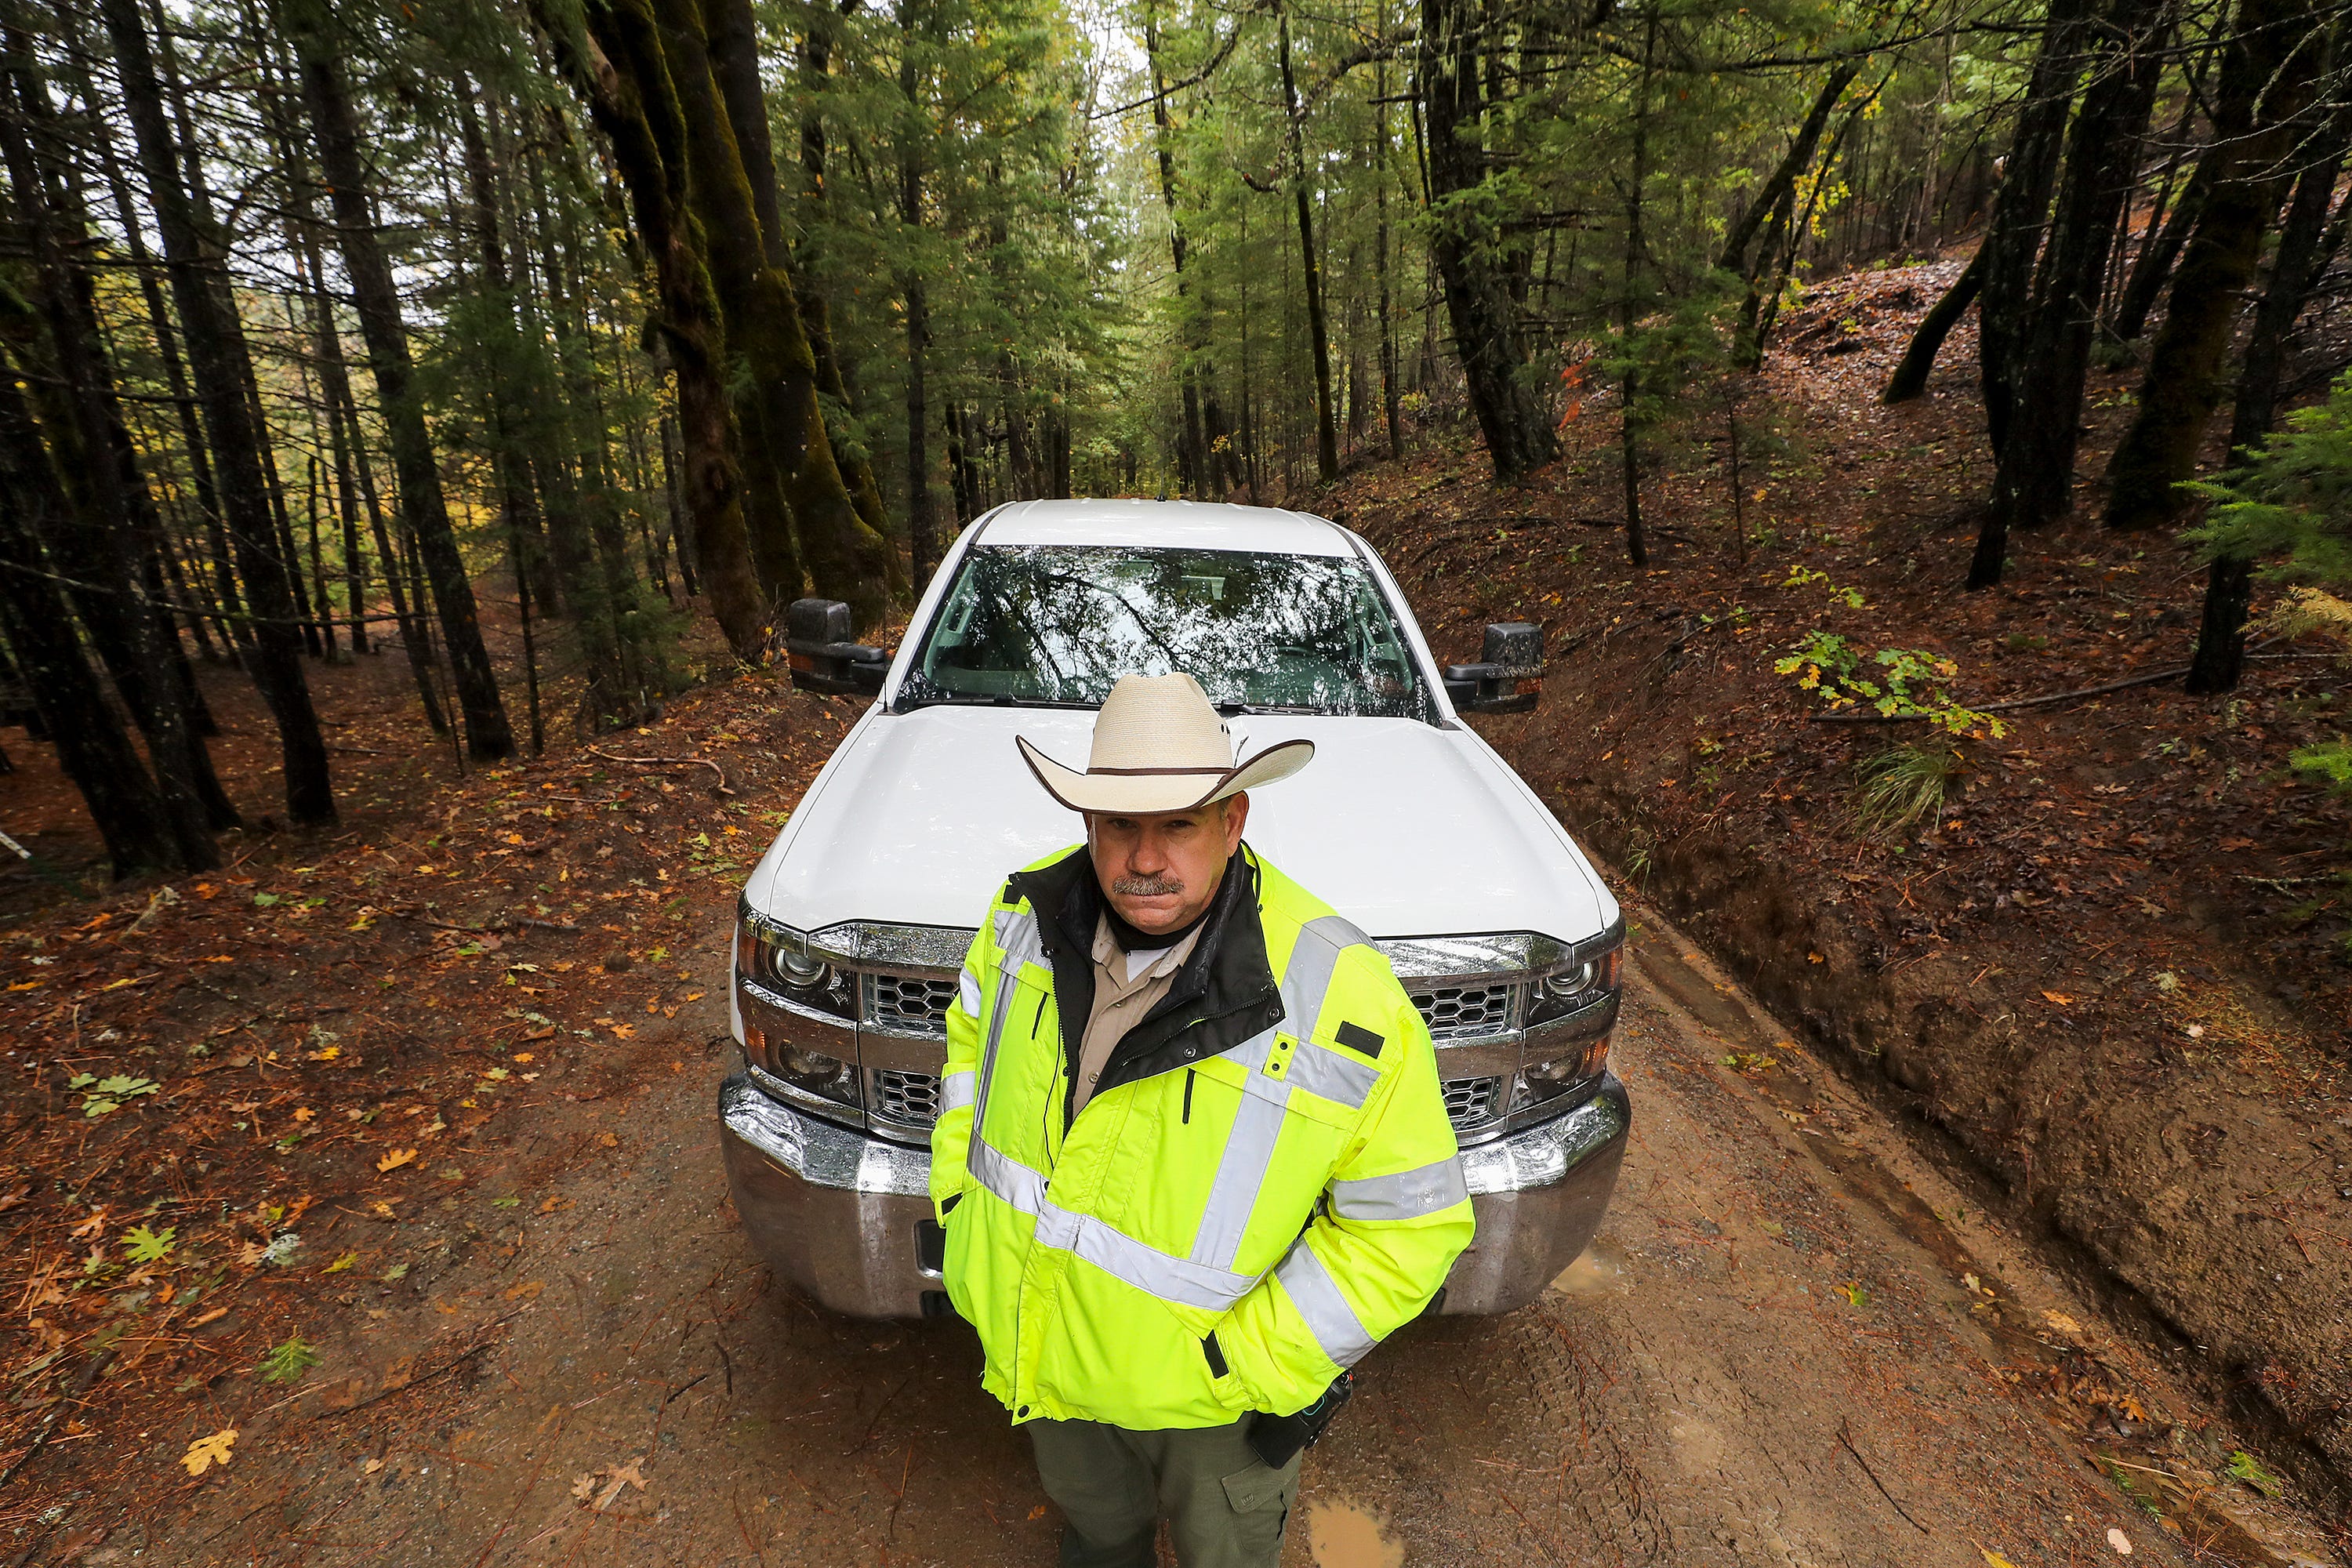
1161, 747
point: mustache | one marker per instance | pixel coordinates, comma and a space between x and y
1146, 887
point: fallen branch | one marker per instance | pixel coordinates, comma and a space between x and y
2010, 707
666, 763
2015, 704
2284, 883
1847, 1443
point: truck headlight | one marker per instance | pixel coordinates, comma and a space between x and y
782, 958
1555, 1076
1576, 987
828, 1076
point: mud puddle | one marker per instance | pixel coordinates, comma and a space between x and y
1339, 1534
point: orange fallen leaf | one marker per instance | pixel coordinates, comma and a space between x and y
396, 1159
2054, 996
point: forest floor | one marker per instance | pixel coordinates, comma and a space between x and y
2108, 976
427, 1097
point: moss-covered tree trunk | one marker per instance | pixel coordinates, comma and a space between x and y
777, 407
616, 67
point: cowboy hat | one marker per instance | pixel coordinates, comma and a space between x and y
1159, 747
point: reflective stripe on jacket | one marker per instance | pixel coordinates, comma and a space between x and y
1264, 1185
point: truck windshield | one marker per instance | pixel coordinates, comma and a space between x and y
1057, 625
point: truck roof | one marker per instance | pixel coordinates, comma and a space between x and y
1171, 525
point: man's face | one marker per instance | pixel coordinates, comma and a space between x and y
1159, 872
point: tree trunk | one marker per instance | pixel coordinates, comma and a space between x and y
1486, 336
103, 550
167, 348
1326, 430
2305, 242
217, 360
527, 472
2264, 78
1910, 377
1391, 408
2033, 481
1629, 309
735, 64
2020, 211
1769, 203
629, 95
1191, 444
415, 642
783, 419
488, 736
92, 749
922, 519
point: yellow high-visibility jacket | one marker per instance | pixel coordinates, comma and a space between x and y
1264, 1185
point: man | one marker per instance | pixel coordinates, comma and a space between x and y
1194, 1160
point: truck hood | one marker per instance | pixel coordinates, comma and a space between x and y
1406, 830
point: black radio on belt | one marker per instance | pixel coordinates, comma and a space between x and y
1275, 1438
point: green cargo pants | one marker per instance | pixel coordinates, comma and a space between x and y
1224, 1507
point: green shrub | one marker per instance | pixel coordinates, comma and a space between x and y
1895, 682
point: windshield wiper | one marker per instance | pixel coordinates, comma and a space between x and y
909, 703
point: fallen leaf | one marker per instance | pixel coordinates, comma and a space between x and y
1037, 1513
2120, 1542
396, 1159
585, 1487
2053, 996
372, 1467
1995, 1560
607, 1140
526, 1291
205, 1452
621, 1476
304, 1113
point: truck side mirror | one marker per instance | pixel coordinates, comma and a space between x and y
1509, 678
822, 658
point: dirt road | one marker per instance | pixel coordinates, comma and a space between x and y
1773, 1355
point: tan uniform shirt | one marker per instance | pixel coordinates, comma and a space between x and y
1127, 987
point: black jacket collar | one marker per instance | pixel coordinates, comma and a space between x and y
1225, 994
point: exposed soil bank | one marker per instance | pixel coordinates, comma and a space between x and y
2109, 969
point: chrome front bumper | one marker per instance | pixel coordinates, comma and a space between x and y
835, 1211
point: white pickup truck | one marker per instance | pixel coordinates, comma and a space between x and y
851, 928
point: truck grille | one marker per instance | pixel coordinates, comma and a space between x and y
1472, 1102
909, 1097
911, 1004
1465, 1012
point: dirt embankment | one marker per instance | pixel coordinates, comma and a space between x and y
2108, 969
